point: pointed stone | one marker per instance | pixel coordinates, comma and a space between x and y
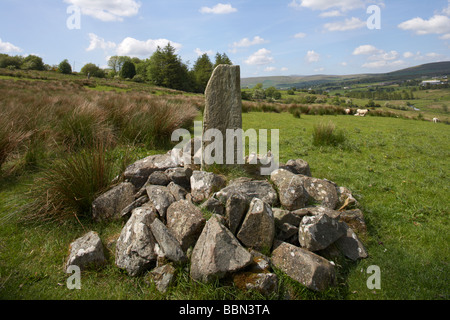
223, 107
169, 245
258, 229
217, 253
135, 246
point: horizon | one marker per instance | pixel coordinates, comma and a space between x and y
288, 38
342, 75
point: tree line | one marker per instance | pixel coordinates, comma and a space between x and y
163, 68
382, 94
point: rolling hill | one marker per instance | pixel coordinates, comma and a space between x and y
282, 82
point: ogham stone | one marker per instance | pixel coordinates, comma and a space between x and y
223, 108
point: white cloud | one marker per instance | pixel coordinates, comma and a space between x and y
431, 56
107, 10
378, 58
270, 69
129, 46
386, 56
383, 63
329, 14
344, 64
7, 47
434, 55
437, 24
136, 48
343, 5
246, 42
445, 37
312, 56
284, 69
347, 24
446, 11
300, 35
260, 57
319, 69
219, 9
99, 43
200, 52
408, 55
365, 49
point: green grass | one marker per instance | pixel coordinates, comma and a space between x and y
396, 168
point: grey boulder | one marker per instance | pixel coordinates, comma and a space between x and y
86, 252
110, 204
298, 166
258, 229
351, 247
139, 172
186, 222
322, 191
217, 253
291, 189
168, 244
251, 189
311, 270
135, 248
204, 184
318, 232
160, 197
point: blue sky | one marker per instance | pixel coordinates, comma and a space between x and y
266, 38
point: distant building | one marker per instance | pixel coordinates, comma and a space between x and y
431, 82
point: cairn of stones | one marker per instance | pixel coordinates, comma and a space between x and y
174, 214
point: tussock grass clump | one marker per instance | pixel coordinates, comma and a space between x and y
11, 138
69, 185
326, 134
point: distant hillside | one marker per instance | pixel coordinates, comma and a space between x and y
281, 82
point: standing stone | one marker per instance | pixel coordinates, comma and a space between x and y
223, 106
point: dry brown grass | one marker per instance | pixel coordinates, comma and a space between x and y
64, 115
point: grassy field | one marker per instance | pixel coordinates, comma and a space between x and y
396, 168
